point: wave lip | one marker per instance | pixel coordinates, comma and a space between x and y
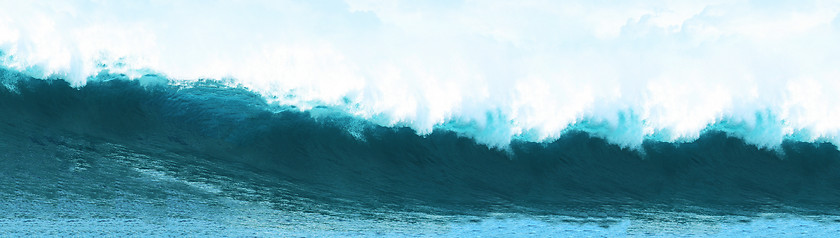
766, 128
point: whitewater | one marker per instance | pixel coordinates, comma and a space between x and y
492, 71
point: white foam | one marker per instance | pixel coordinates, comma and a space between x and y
493, 70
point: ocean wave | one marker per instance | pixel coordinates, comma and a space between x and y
167, 133
434, 118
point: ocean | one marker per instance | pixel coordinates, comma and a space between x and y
357, 118
142, 157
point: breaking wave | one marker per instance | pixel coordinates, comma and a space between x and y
121, 152
345, 154
664, 72
356, 117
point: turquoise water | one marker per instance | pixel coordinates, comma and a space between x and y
251, 221
120, 158
361, 118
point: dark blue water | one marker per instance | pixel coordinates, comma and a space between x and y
128, 157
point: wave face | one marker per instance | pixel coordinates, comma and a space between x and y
207, 152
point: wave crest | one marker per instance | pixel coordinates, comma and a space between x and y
660, 71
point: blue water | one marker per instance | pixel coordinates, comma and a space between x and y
144, 157
395, 118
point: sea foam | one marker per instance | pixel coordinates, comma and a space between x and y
491, 70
